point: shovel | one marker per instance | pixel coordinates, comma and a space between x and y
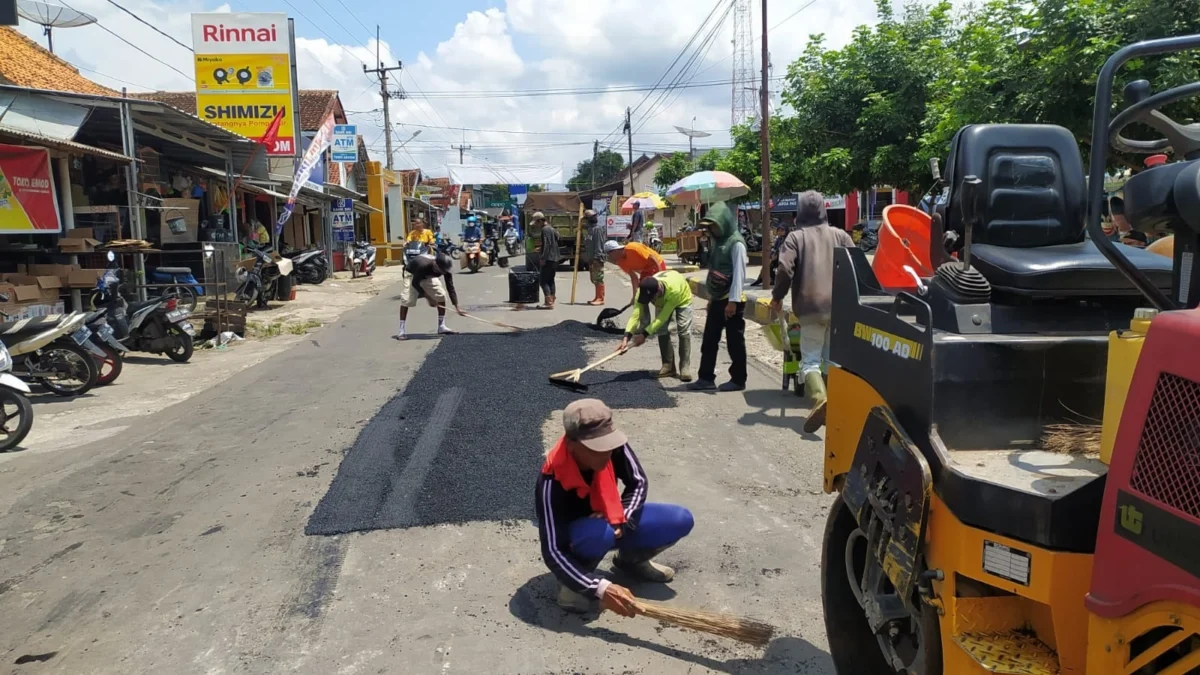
570, 378
611, 313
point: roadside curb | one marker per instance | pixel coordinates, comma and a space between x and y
758, 307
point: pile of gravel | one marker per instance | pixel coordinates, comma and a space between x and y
463, 441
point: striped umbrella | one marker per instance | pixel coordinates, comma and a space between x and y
705, 187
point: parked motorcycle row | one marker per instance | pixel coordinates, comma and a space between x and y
68, 354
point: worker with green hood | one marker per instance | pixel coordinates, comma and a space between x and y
727, 302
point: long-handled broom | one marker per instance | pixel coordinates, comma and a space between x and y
570, 378
741, 629
494, 323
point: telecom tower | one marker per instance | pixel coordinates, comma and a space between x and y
745, 91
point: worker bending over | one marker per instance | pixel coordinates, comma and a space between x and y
425, 275
671, 296
806, 270
637, 260
582, 515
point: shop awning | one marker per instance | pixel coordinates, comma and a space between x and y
65, 146
363, 207
246, 184
187, 138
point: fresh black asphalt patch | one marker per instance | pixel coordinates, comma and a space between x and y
463, 441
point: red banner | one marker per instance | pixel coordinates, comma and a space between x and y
27, 202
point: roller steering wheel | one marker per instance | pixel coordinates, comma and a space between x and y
1183, 139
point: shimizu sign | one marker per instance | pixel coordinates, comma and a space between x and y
243, 75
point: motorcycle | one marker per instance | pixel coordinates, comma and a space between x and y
62, 366
158, 325
474, 255
14, 405
654, 241
362, 259
104, 339
447, 246
753, 240
511, 240
489, 249
311, 266
262, 282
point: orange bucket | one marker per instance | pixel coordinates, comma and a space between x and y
903, 240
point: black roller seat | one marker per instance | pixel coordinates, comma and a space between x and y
1030, 237
173, 270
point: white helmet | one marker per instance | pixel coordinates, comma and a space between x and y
612, 245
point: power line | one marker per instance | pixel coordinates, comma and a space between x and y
150, 25
677, 83
539, 133
143, 51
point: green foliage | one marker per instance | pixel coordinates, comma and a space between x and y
672, 169
707, 161
875, 111
608, 169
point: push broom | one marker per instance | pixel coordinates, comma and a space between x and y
570, 378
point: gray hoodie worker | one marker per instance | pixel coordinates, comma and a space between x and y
806, 271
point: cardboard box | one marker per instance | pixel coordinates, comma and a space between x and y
74, 245
81, 233
180, 221
63, 272
84, 278
49, 288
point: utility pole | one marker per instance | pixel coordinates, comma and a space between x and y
460, 149
386, 95
629, 132
595, 153
765, 142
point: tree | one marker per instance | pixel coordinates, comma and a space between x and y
608, 169
707, 161
672, 169
860, 109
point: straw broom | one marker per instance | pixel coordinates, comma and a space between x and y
743, 630
1072, 438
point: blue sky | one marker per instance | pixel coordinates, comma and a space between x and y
452, 49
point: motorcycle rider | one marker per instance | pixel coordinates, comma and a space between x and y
418, 232
472, 232
426, 276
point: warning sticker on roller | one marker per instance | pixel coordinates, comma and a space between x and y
1006, 562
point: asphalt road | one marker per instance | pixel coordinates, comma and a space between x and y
178, 545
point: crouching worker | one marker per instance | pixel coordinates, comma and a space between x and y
582, 515
427, 274
671, 296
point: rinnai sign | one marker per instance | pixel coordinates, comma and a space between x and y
243, 75
232, 33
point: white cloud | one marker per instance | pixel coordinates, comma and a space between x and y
528, 44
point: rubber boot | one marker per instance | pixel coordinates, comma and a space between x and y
814, 385
640, 566
668, 357
571, 601
685, 357
599, 299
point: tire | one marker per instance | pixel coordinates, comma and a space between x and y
183, 347
247, 293
185, 297
108, 369
456, 254
852, 646
22, 411
74, 357
473, 265
502, 262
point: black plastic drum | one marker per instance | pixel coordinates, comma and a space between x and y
523, 285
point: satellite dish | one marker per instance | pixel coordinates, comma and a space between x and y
692, 133
49, 16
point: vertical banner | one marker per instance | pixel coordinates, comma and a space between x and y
27, 201
343, 220
320, 142
243, 75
